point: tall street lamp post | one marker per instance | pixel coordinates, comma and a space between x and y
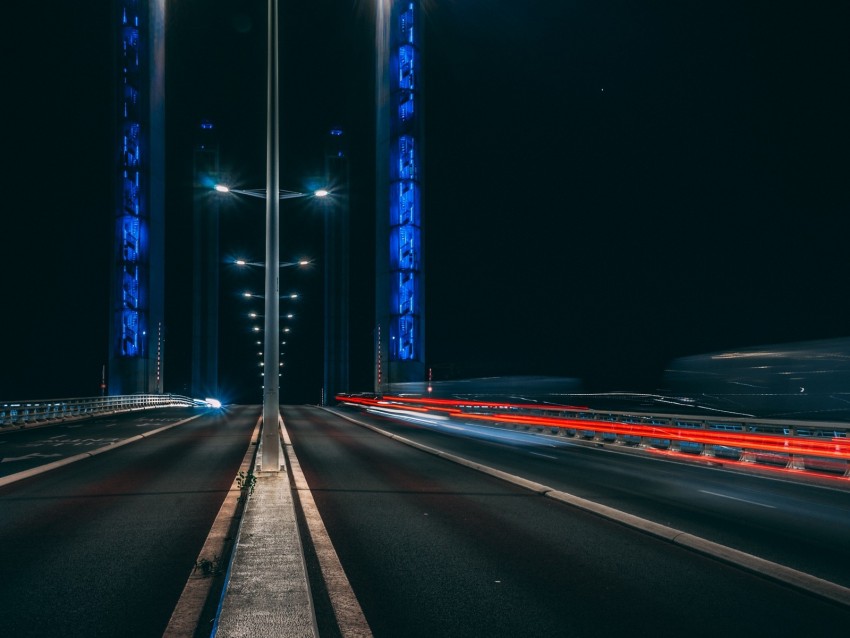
271, 349
270, 458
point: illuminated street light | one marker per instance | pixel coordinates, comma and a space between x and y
260, 193
254, 315
270, 456
248, 295
283, 264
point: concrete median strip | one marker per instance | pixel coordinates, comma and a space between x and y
800, 580
266, 590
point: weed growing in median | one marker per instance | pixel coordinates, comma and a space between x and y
209, 567
245, 481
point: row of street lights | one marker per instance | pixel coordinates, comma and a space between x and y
270, 458
271, 357
283, 331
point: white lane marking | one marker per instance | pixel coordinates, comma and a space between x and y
545, 456
734, 498
349, 615
35, 455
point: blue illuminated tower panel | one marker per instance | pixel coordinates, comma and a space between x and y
400, 318
136, 323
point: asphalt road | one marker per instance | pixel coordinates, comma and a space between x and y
432, 548
801, 525
23, 449
104, 546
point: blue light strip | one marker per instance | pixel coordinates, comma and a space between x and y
131, 224
405, 240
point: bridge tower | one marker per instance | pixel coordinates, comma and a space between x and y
399, 265
136, 334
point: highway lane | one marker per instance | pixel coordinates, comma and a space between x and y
104, 546
432, 548
800, 525
22, 449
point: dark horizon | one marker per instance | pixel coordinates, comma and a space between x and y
607, 187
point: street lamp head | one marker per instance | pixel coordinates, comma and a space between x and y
300, 262
248, 294
283, 264
261, 192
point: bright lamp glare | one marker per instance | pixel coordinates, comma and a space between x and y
221, 188
321, 193
213, 403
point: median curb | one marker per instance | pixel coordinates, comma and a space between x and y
187, 617
347, 612
266, 590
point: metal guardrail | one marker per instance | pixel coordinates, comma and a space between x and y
797, 445
23, 413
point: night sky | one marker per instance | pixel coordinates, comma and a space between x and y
608, 185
